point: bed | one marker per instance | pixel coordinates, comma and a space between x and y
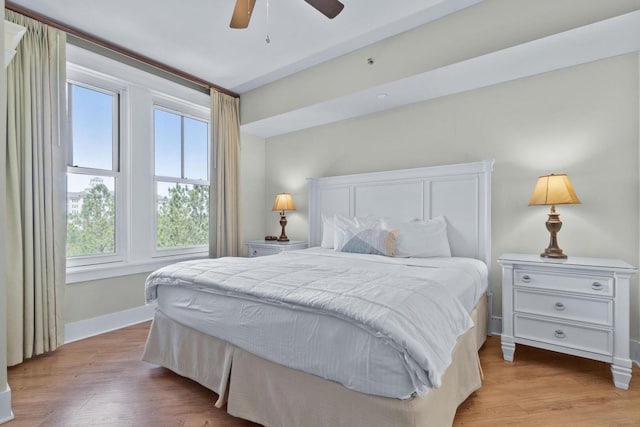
302, 372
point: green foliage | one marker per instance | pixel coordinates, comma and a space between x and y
92, 231
182, 220
183, 217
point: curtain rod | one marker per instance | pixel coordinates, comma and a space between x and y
116, 48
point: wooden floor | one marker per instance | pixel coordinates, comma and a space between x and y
101, 381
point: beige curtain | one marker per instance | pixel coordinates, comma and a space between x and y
224, 197
35, 179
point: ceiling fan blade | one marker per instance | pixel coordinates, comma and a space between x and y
329, 8
242, 13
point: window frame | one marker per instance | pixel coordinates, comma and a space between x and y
192, 111
139, 89
95, 81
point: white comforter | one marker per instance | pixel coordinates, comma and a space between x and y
398, 301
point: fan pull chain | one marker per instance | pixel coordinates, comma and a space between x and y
268, 40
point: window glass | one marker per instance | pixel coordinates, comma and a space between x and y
196, 143
182, 180
168, 143
92, 175
92, 127
182, 214
91, 216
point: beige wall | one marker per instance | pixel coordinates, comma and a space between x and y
84, 300
252, 188
582, 120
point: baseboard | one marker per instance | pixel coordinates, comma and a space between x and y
634, 346
495, 327
634, 349
6, 414
82, 329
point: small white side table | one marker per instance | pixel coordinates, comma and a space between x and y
577, 306
272, 247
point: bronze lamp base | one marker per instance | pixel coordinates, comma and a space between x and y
283, 222
553, 225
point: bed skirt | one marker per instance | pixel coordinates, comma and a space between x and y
273, 395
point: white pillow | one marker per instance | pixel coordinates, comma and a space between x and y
328, 231
420, 239
368, 221
341, 225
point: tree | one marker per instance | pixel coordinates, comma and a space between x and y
183, 220
183, 217
92, 231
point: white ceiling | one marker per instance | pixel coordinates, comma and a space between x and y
194, 35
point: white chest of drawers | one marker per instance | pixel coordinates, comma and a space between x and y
272, 247
577, 306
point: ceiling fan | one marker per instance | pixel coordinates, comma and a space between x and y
244, 8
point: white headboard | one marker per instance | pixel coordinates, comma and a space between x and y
461, 193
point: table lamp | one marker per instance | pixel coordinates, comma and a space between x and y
553, 190
283, 202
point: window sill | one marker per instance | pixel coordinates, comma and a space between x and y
116, 269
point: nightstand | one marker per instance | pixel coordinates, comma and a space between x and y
577, 306
272, 247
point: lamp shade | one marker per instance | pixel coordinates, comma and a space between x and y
284, 202
553, 190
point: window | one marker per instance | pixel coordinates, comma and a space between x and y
138, 170
93, 175
181, 180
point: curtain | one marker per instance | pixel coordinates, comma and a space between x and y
224, 197
35, 180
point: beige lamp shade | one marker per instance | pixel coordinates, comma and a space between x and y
284, 202
553, 190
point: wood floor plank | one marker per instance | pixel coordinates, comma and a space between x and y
101, 381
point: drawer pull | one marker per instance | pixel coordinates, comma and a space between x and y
597, 286
560, 334
526, 278
559, 306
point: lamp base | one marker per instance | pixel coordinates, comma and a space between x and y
553, 253
553, 226
283, 223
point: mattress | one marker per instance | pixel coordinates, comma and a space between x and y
324, 345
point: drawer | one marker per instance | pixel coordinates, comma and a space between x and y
572, 307
584, 284
254, 252
596, 340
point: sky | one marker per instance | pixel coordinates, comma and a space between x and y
92, 131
